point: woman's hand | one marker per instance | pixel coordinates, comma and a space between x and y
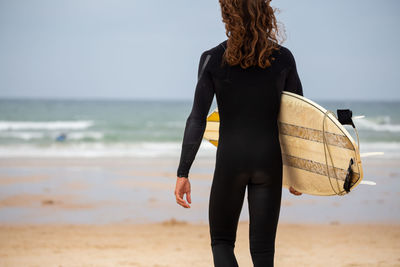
294, 192
183, 187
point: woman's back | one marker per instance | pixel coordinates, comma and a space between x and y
248, 104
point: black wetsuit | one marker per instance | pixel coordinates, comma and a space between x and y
248, 152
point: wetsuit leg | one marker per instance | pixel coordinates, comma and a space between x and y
225, 204
264, 200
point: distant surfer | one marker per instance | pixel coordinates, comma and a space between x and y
247, 73
61, 137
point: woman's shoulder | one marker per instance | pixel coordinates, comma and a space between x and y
284, 54
217, 49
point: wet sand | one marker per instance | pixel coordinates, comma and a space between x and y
178, 243
140, 190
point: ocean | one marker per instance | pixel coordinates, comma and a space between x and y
103, 161
120, 128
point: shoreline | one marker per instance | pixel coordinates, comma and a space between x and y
140, 190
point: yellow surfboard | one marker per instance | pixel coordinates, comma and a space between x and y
319, 155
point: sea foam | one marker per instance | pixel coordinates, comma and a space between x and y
45, 125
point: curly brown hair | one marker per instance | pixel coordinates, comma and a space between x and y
252, 31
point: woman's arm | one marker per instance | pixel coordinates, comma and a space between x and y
196, 122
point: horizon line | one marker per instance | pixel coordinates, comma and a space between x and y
150, 99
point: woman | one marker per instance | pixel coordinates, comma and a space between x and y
247, 73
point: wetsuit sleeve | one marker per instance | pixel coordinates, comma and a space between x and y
197, 119
293, 83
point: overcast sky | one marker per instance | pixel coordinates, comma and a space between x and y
150, 49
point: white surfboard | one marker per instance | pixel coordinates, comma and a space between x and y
319, 156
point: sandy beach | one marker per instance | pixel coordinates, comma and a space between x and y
177, 243
122, 212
